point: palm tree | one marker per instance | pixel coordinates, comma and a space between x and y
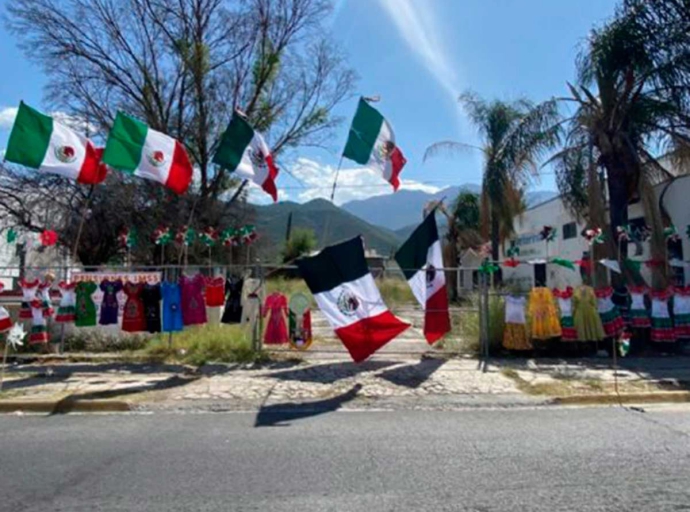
631, 116
514, 136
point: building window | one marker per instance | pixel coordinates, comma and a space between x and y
569, 230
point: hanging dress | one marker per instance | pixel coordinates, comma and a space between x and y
39, 327
151, 296
110, 306
515, 331
662, 325
585, 316
172, 307
681, 312
66, 312
133, 319
276, 306
233, 301
543, 315
43, 295
639, 316
621, 298
608, 312
215, 291
86, 307
565, 306
5, 319
29, 291
193, 305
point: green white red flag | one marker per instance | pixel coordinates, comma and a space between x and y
347, 295
243, 151
421, 260
371, 142
136, 149
39, 142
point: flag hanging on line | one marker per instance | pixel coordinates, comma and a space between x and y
346, 293
421, 260
135, 148
40, 142
244, 151
371, 142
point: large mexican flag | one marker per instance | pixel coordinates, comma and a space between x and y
347, 295
421, 260
40, 142
371, 142
244, 151
135, 148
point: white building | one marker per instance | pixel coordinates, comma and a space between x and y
569, 244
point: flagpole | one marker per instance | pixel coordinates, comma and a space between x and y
335, 181
82, 221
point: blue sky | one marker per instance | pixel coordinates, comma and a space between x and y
418, 55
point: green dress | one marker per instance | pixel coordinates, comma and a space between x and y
86, 307
585, 315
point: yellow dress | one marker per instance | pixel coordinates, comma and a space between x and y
514, 332
543, 315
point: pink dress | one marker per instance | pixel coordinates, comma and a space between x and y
276, 330
193, 304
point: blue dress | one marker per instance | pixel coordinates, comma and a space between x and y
172, 310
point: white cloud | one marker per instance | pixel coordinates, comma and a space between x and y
7, 115
419, 26
353, 183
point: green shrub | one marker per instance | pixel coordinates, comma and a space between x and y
206, 344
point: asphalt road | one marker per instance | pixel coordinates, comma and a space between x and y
481, 460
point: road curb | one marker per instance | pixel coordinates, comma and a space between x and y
63, 406
626, 398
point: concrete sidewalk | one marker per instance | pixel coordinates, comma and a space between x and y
380, 382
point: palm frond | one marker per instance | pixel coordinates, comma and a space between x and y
449, 148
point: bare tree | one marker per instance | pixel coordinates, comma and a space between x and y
182, 67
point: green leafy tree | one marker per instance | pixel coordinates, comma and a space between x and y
302, 241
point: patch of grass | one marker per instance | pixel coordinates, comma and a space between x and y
206, 344
395, 291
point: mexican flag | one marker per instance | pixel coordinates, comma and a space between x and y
135, 148
346, 293
39, 142
244, 151
371, 142
421, 260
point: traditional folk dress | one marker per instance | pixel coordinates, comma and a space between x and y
29, 290
110, 306
39, 327
662, 325
133, 319
5, 320
66, 312
193, 304
681, 312
515, 331
543, 315
172, 308
151, 296
639, 316
276, 329
587, 321
86, 307
565, 306
610, 316
44, 296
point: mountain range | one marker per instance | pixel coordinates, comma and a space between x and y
384, 221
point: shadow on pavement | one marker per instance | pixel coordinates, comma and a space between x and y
414, 375
68, 369
278, 414
331, 372
170, 383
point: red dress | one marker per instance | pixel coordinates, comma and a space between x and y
215, 291
133, 319
276, 329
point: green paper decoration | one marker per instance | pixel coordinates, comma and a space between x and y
11, 236
488, 267
563, 263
